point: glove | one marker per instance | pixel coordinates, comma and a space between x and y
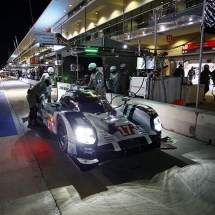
42, 96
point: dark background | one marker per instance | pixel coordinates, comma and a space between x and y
16, 21
210, 17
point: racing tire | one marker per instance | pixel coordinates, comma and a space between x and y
62, 135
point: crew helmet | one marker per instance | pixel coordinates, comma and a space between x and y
112, 69
92, 66
50, 70
122, 66
206, 66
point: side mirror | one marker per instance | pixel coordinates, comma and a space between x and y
55, 105
125, 99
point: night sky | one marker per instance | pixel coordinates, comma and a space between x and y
16, 21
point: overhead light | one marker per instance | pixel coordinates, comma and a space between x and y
97, 12
58, 47
70, 5
125, 46
91, 50
162, 28
77, 23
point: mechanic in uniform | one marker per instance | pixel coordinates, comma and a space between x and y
113, 80
96, 79
49, 76
34, 98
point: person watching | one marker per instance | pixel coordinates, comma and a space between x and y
191, 75
205, 78
179, 72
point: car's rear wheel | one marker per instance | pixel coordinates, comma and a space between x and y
62, 135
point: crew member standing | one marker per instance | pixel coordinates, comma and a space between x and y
96, 79
113, 80
123, 79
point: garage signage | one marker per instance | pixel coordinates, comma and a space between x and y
44, 37
169, 38
195, 47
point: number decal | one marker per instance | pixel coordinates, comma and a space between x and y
125, 130
49, 125
104, 133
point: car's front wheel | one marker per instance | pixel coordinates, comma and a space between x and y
62, 136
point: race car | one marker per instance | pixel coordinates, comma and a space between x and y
88, 127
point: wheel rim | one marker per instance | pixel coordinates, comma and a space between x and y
62, 136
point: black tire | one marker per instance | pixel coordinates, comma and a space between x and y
62, 135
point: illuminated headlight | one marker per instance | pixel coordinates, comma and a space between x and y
157, 123
85, 135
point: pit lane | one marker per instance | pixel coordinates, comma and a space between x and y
152, 182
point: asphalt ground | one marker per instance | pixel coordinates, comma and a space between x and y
37, 178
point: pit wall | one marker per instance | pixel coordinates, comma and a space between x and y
190, 122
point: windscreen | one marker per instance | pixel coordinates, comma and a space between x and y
93, 106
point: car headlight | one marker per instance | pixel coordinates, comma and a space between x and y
157, 123
85, 135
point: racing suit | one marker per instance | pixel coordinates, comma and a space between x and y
97, 82
112, 81
34, 97
48, 77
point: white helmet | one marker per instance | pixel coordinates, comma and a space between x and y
92, 66
122, 66
112, 68
50, 70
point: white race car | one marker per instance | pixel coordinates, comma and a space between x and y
89, 128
